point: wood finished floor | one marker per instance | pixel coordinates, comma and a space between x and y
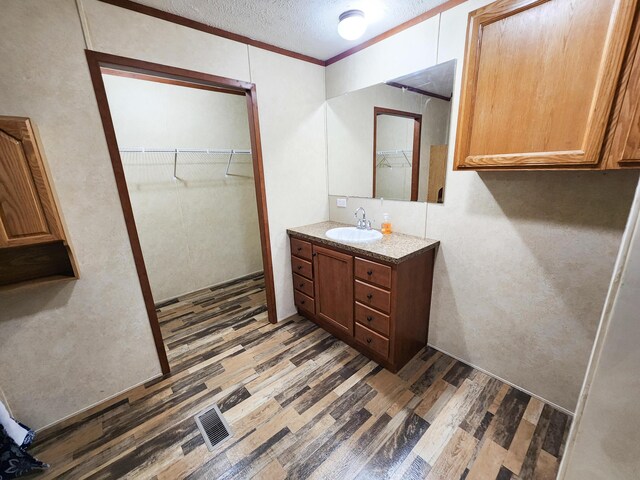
303, 405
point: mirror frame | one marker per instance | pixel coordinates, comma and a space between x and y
415, 160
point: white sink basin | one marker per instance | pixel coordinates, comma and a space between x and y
353, 235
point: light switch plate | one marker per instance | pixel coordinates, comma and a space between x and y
341, 202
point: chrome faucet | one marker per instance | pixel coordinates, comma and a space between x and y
363, 223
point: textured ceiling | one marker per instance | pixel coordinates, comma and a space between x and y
303, 26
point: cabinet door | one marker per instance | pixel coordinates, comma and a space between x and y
623, 145
28, 213
333, 277
539, 81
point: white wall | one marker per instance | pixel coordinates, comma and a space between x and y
202, 229
413, 49
605, 439
405, 217
525, 258
66, 347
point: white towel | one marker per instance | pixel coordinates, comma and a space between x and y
17, 432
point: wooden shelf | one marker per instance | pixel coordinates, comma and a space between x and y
33, 244
32, 264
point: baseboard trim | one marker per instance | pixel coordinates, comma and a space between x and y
557, 407
125, 392
214, 285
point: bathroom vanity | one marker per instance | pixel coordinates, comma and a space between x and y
375, 296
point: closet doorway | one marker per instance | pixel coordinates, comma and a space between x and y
185, 151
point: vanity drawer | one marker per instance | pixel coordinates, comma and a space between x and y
301, 249
372, 272
302, 267
303, 302
372, 319
302, 284
372, 340
373, 296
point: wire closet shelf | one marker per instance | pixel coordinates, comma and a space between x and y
394, 158
227, 157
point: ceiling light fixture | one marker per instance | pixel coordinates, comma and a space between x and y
352, 24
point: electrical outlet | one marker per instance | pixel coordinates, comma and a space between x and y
341, 202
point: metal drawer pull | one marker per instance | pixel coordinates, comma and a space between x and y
369, 318
370, 272
302, 285
299, 267
369, 296
301, 302
299, 248
368, 340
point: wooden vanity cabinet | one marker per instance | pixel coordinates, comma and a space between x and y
539, 82
381, 309
33, 245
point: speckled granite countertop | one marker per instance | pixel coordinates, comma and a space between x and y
394, 248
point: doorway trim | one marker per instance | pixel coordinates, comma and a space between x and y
99, 60
415, 160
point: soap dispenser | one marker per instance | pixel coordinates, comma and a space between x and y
386, 224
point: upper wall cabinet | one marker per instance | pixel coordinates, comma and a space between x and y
539, 81
622, 146
33, 246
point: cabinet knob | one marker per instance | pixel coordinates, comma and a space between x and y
302, 285
369, 272
368, 340
369, 296
369, 318
299, 267
299, 248
314, 254
301, 302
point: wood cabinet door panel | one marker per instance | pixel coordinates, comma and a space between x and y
333, 282
301, 249
539, 81
623, 143
373, 296
372, 340
303, 285
373, 272
302, 267
27, 212
304, 302
372, 319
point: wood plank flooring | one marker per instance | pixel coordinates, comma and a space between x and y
301, 405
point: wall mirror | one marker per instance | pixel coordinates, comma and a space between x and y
390, 140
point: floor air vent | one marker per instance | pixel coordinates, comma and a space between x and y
213, 426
